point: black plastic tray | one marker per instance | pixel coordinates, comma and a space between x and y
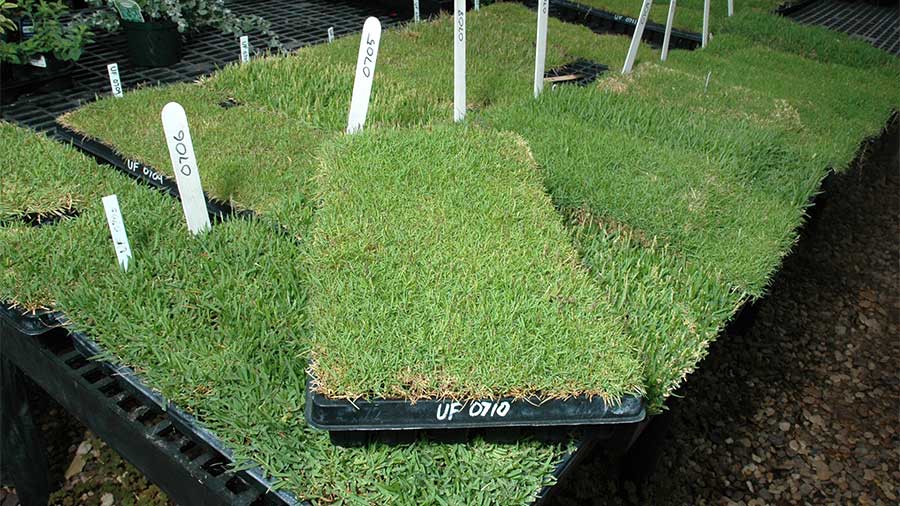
104, 154
582, 72
168, 445
395, 421
601, 21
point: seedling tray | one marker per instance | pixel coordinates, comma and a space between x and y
168, 445
394, 421
601, 21
104, 154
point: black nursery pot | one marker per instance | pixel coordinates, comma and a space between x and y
16, 79
153, 43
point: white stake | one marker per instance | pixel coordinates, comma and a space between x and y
117, 230
245, 49
416, 14
636, 38
665, 47
477, 5
115, 83
330, 34
730, 8
365, 74
705, 39
706, 84
459, 60
540, 53
184, 163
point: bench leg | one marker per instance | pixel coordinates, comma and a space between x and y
24, 460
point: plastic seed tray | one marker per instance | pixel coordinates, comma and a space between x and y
189, 463
875, 23
581, 72
104, 154
601, 21
169, 446
354, 423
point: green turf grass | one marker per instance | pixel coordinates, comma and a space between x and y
439, 269
688, 13
216, 323
22, 194
241, 159
259, 155
679, 239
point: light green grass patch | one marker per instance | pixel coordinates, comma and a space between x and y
703, 185
439, 269
217, 324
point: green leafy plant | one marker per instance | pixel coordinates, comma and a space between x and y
6, 24
52, 36
191, 15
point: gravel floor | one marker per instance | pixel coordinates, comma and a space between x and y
800, 407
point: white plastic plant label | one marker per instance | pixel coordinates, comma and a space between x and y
459, 60
730, 8
245, 48
115, 82
636, 38
365, 75
540, 53
184, 164
477, 5
330, 34
671, 18
705, 39
117, 230
416, 14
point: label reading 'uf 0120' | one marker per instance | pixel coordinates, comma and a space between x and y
477, 409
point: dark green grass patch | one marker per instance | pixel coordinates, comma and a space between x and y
809, 41
439, 268
217, 324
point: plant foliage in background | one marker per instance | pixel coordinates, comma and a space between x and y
52, 36
188, 15
6, 10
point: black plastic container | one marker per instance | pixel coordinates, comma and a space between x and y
354, 423
152, 43
601, 21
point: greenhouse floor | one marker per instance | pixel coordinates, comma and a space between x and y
297, 22
879, 25
804, 402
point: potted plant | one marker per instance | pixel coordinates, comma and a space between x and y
154, 28
36, 45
